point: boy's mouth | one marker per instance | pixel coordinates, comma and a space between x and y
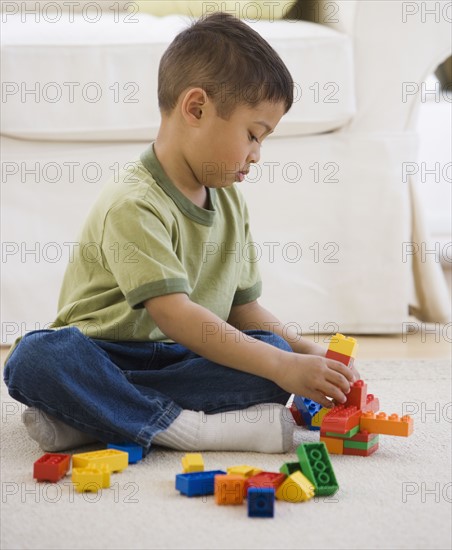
240, 176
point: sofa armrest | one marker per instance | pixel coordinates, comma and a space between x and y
397, 44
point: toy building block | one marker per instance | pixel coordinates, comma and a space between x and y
363, 436
243, 470
334, 446
363, 441
265, 479
289, 468
380, 423
261, 502
51, 467
348, 435
91, 478
197, 483
134, 451
357, 397
229, 489
343, 344
317, 419
361, 452
192, 462
295, 488
366, 445
372, 403
117, 461
308, 410
316, 466
341, 419
345, 359
297, 415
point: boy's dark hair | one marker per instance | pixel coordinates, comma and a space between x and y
229, 60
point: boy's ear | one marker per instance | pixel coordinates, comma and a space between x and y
192, 105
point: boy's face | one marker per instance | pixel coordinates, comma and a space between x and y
225, 149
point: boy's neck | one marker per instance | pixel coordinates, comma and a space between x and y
180, 175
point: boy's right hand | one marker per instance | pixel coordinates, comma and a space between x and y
315, 377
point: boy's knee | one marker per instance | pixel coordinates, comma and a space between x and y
39, 349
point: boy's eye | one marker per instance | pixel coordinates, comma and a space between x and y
254, 138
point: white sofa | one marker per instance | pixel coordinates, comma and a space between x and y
334, 216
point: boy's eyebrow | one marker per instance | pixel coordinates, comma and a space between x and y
265, 125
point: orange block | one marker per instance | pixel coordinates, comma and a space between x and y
334, 446
229, 489
380, 423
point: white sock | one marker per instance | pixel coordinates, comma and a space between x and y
265, 428
52, 434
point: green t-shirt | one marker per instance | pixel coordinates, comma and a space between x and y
143, 238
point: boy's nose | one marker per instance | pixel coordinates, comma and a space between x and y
254, 156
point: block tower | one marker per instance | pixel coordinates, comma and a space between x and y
354, 427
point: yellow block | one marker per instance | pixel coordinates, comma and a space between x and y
91, 478
318, 418
343, 344
116, 460
295, 488
192, 462
243, 470
334, 446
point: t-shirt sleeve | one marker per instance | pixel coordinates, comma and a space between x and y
250, 284
138, 251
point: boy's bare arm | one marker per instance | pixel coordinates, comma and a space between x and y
254, 316
198, 329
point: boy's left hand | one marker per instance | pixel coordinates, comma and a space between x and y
312, 348
355, 372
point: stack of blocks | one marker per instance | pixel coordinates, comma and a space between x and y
299, 481
90, 471
354, 427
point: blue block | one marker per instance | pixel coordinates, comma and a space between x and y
197, 483
261, 502
308, 409
314, 428
135, 451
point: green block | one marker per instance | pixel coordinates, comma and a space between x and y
316, 466
361, 444
289, 468
347, 435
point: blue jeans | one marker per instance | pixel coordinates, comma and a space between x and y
128, 391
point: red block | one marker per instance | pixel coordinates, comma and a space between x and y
297, 415
358, 395
372, 403
363, 437
265, 479
348, 361
341, 419
361, 452
51, 467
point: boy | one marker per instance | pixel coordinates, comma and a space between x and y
151, 329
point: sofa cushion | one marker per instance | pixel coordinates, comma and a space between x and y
243, 9
83, 81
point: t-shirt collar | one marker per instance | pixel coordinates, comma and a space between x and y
201, 215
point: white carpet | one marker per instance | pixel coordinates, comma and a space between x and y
398, 498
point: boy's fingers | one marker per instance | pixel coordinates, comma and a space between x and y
322, 400
355, 373
337, 380
333, 392
343, 369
